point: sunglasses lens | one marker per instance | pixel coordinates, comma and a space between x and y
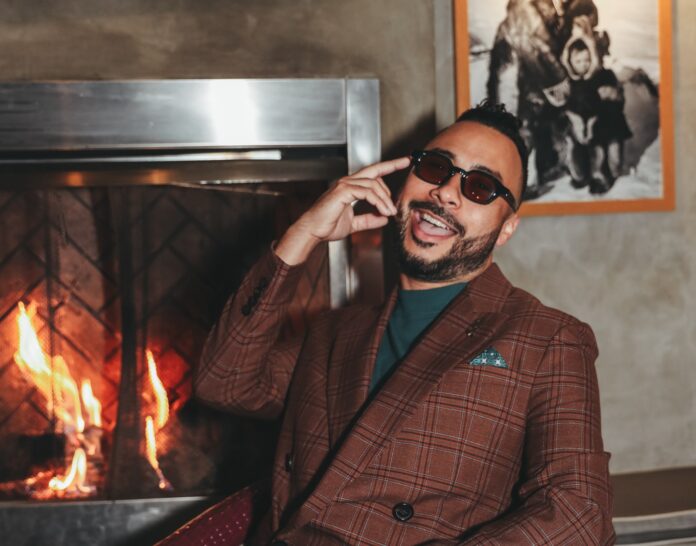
433, 169
479, 187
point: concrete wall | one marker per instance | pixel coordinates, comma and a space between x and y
632, 276
122, 39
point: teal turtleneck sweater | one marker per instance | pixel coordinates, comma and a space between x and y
413, 312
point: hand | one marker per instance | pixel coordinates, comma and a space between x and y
332, 218
609, 93
558, 94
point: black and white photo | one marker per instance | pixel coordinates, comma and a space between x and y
585, 77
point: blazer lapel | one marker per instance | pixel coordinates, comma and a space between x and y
460, 333
350, 372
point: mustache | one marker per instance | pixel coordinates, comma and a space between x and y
438, 211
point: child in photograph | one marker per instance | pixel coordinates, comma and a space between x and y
595, 111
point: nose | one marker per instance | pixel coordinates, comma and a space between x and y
448, 194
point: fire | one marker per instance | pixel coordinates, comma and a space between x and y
162, 418
78, 412
159, 390
68, 408
151, 450
75, 480
92, 405
56, 385
54, 381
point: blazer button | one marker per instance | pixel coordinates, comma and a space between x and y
246, 309
289, 462
403, 511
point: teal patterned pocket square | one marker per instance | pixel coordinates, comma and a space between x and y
490, 357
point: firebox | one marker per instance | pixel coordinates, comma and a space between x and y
129, 211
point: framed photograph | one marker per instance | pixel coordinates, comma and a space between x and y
591, 81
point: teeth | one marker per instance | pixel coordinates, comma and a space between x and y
434, 221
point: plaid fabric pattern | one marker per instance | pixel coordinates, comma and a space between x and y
479, 454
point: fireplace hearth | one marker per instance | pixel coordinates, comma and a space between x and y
116, 256
111, 295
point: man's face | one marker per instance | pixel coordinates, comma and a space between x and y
444, 237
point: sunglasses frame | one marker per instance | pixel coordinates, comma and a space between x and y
500, 189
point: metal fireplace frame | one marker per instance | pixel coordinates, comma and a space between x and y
200, 133
214, 133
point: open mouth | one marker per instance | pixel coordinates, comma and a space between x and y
430, 227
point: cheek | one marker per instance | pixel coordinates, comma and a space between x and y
414, 189
481, 219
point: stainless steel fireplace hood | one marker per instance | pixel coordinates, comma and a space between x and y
213, 133
185, 132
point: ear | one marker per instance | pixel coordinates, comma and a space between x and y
509, 226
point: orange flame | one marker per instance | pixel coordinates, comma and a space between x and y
54, 381
162, 418
151, 451
92, 405
159, 390
57, 386
75, 480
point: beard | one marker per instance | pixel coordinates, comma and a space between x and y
467, 254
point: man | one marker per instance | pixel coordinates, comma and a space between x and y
462, 411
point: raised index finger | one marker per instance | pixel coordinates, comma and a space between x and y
383, 168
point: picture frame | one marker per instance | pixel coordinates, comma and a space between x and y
586, 166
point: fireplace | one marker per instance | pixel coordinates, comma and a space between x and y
129, 211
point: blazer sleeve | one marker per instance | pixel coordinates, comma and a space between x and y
243, 368
565, 495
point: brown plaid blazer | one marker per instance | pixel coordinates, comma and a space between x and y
445, 452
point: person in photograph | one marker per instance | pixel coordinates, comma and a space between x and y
461, 410
533, 36
597, 124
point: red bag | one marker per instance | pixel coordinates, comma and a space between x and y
223, 524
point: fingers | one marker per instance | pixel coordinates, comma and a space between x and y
373, 194
369, 182
379, 188
332, 217
370, 177
377, 170
384, 185
368, 221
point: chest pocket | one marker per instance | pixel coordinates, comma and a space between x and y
472, 422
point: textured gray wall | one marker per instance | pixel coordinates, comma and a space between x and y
122, 39
632, 276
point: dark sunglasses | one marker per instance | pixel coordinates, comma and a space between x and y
477, 186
